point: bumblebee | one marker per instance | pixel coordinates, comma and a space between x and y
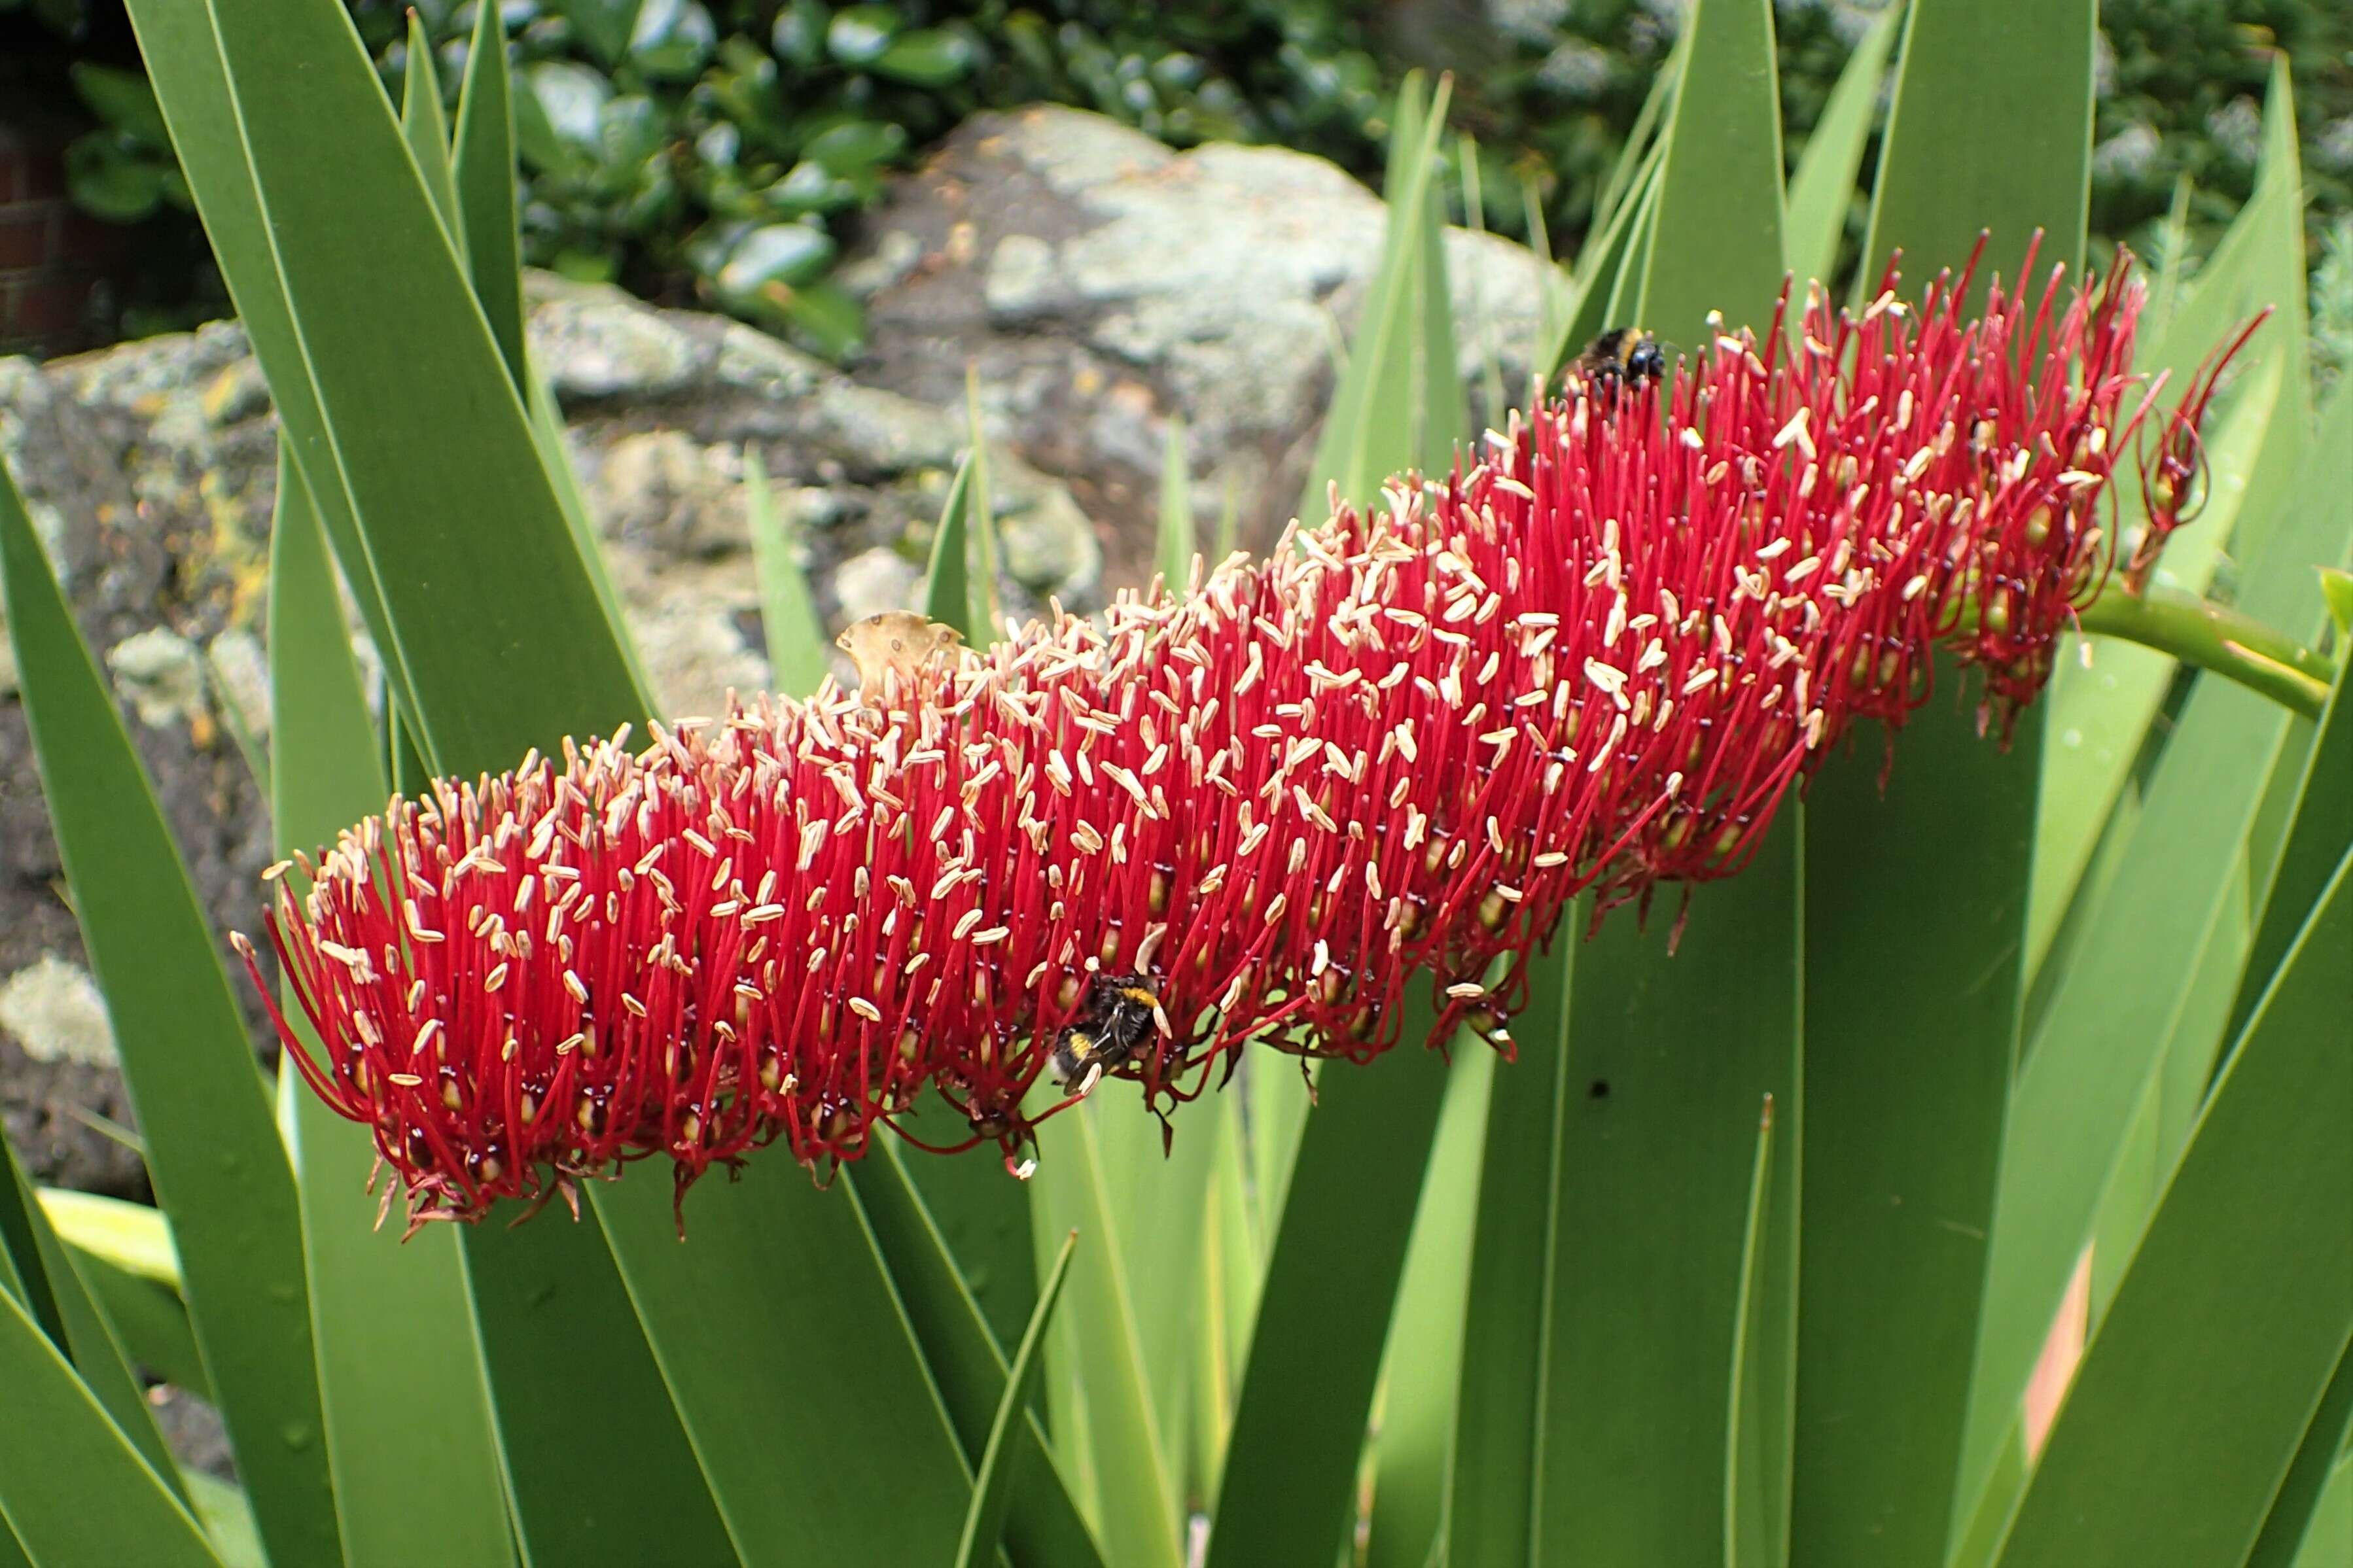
1120, 1016
1621, 355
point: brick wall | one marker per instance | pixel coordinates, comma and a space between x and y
57, 264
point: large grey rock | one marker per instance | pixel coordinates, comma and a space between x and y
1102, 282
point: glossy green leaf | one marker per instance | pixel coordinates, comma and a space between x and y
988, 614
1158, 1187
2110, 1015
875, 1471
1639, 156
73, 1297
2101, 714
426, 129
484, 161
219, 1168
1101, 1338
1990, 129
947, 583
151, 1323
2322, 824
72, 1490
799, 657
1383, 408
1001, 1460
1601, 271
183, 63
1173, 547
2296, 1507
2329, 1540
1422, 1371
356, 244
1441, 420
1508, 1308
547, 1302
130, 1236
228, 1519
547, 432
1043, 1524
1669, 1056
1229, 1277
1474, 216
1324, 1311
1822, 186
1755, 1510
398, 1375
2193, 1395
1716, 244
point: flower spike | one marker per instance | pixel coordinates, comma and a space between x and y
1597, 656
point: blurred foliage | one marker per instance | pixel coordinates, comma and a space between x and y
715, 150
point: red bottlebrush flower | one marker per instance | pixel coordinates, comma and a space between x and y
1596, 658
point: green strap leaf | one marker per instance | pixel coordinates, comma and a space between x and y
947, 583
1755, 1511
799, 660
1173, 547
1990, 129
1823, 185
1325, 1308
398, 1375
183, 64
1000, 1461
2193, 1395
67, 1292
219, 1168
1042, 1524
2303, 1492
485, 176
1422, 1371
1101, 1341
426, 130
1716, 244
72, 1490
1669, 1056
1497, 1414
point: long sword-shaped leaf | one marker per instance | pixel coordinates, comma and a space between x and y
1716, 244
59, 1288
1755, 1516
1043, 1525
219, 1169
1421, 1373
2102, 704
399, 1375
357, 244
1913, 1024
1823, 185
183, 65
484, 159
1991, 131
2303, 1491
1323, 1313
948, 585
1173, 546
72, 1490
426, 130
1669, 1056
2196, 1391
1135, 1492
1505, 1319
798, 659
2132, 979
1001, 1460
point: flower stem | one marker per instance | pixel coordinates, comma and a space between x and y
2213, 636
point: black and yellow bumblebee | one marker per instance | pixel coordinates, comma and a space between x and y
1621, 355
1120, 1015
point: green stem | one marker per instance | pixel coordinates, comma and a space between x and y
2213, 636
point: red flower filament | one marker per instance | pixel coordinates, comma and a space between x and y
1598, 658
